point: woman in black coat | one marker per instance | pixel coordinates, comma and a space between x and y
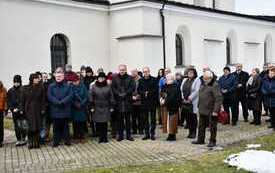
33, 105
253, 92
172, 100
102, 103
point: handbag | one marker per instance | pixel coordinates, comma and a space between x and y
187, 107
223, 117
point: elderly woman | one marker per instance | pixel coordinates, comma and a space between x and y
253, 92
190, 91
172, 102
79, 108
228, 85
102, 102
210, 101
3, 108
33, 106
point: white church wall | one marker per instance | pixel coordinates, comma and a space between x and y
26, 30
226, 5
216, 28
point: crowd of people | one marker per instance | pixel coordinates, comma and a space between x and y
127, 104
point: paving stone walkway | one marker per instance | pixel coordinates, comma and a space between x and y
93, 155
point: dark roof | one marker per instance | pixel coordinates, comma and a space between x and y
99, 2
180, 4
267, 17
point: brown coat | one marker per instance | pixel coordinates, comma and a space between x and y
33, 104
210, 98
3, 99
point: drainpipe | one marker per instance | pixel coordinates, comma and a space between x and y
163, 32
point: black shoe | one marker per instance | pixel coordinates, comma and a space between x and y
55, 145
168, 138
153, 137
1, 145
171, 138
68, 143
192, 136
30, 145
119, 139
130, 139
198, 143
100, 141
268, 120
211, 144
146, 137
253, 122
105, 140
270, 127
234, 123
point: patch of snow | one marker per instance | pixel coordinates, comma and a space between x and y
253, 161
251, 146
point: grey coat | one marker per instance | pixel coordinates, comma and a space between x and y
102, 100
210, 98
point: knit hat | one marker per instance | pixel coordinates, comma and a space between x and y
101, 74
227, 68
89, 70
74, 77
17, 79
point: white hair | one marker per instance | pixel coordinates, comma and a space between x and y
209, 74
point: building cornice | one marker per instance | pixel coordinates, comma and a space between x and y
97, 5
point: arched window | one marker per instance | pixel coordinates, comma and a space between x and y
59, 54
179, 50
228, 52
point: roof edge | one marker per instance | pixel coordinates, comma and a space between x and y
189, 6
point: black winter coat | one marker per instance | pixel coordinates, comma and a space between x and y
253, 93
150, 86
123, 88
173, 98
242, 79
33, 105
13, 97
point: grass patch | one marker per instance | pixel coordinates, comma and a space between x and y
207, 163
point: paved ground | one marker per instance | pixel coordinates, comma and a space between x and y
92, 154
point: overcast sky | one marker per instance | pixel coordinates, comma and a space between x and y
258, 7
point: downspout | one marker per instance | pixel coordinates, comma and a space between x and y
163, 32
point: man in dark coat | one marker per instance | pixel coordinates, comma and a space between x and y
123, 87
148, 90
60, 97
228, 84
262, 75
268, 91
210, 101
242, 78
13, 95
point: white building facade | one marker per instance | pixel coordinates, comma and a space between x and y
38, 35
